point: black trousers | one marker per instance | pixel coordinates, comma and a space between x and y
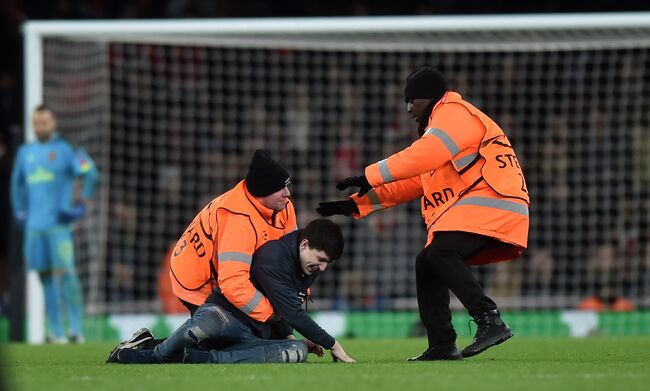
441, 267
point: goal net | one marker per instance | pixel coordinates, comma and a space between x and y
172, 111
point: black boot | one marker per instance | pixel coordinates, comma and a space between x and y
447, 351
491, 331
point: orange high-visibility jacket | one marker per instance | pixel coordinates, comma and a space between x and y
467, 175
216, 250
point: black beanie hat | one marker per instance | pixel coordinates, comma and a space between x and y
425, 83
265, 175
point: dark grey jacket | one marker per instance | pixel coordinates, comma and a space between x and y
277, 273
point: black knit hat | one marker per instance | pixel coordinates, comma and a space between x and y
265, 175
425, 83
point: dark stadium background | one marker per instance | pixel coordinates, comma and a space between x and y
14, 12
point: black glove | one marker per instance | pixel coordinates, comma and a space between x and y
359, 181
346, 207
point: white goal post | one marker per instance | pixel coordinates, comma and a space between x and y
546, 78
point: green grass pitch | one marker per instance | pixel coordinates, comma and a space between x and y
524, 363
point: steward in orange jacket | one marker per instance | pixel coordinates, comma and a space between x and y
474, 202
216, 250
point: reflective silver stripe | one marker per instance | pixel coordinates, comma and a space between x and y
374, 200
235, 256
495, 203
250, 306
385, 172
444, 137
463, 161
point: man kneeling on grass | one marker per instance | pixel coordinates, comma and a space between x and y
218, 332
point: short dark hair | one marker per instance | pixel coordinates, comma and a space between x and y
323, 235
43, 107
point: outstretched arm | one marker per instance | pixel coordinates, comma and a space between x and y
382, 197
443, 140
273, 274
387, 196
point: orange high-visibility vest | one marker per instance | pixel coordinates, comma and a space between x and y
216, 250
169, 301
467, 176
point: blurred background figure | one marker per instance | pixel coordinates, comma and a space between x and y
46, 203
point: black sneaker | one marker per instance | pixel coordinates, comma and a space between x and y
137, 341
439, 352
491, 331
132, 356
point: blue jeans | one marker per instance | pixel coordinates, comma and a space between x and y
214, 335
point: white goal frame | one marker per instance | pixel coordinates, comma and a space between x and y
203, 30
